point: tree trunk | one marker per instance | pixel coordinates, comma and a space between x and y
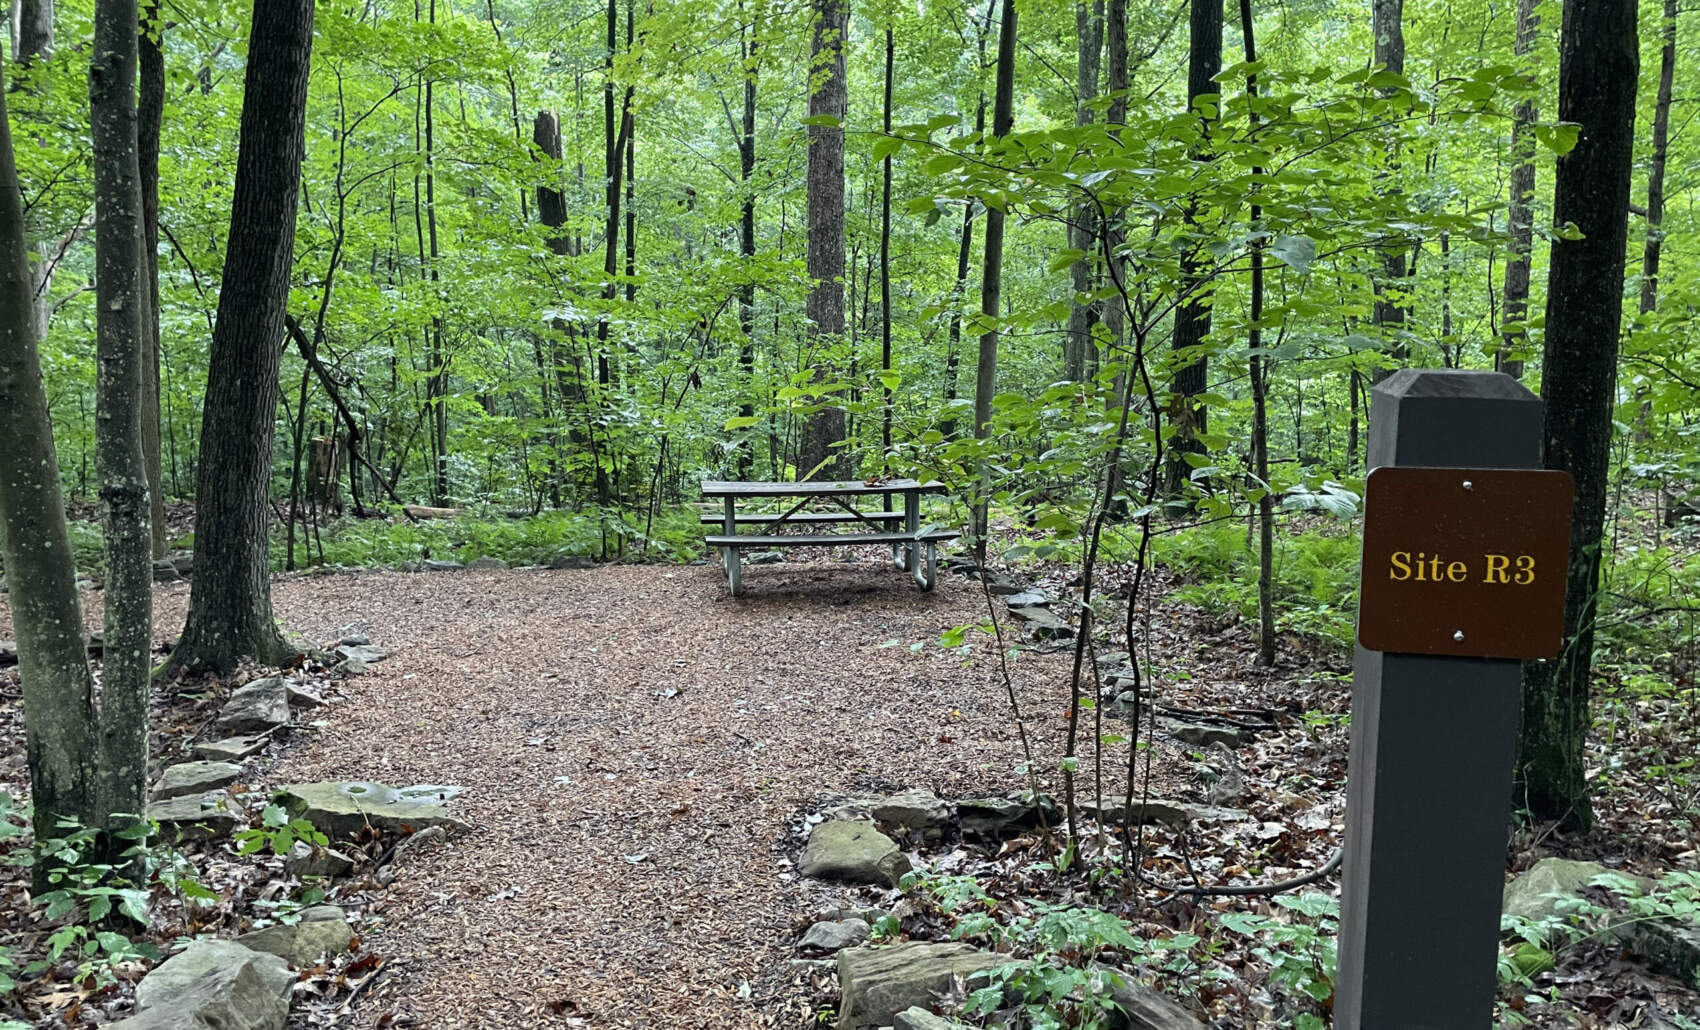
1387, 23
1192, 318
1596, 89
747, 250
991, 275
437, 387
1089, 33
150, 113
964, 254
230, 611
825, 303
1656, 167
41, 573
1260, 392
885, 263
1515, 333
35, 29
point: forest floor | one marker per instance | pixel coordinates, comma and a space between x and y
640, 753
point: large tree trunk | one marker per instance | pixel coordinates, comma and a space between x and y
120, 342
1089, 34
1192, 318
964, 252
35, 29
150, 113
885, 262
991, 275
1387, 23
747, 248
1596, 89
41, 573
1521, 214
825, 303
230, 610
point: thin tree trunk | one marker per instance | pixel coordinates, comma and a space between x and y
437, 387
1515, 334
885, 264
991, 276
58, 687
747, 247
1259, 390
824, 429
964, 253
1596, 89
230, 612
1656, 166
35, 29
1387, 23
150, 113
1082, 315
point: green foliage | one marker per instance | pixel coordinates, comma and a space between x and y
674, 536
93, 901
277, 833
1300, 948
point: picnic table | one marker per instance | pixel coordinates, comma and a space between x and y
913, 547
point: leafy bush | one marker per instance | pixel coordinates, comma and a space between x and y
675, 536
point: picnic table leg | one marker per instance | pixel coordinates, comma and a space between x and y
912, 526
731, 556
927, 574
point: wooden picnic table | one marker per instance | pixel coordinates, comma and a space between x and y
913, 548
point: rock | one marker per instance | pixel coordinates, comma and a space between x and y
215, 985
486, 562
174, 567
322, 931
341, 808
1537, 893
429, 835
350, 667
355, 639
194, 778
1044, 623
878, 983
835, 935
8, 652
996, 816
1002, 586
232, 749
442, 566
1669, 947
257, 707
362, 652
852, 851
1029, 599
196, 816
1142, 1008
301, 697
1150, 810
572, 561
412, 566
918, 811
1200, 734
764, 558
918, 1018
962, 566
304, 861
866, 915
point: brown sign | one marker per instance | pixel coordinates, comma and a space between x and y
1465, 561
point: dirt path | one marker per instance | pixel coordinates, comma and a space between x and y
635, 746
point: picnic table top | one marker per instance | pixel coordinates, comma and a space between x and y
823, 488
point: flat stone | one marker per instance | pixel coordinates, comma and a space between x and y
232, 749
257, 707
215, 985
764, 558
878, 983
918, 1018
1147, 811
194, 778
996, 816
301, 697
835, 935
351, 667
1044, 622
1029, 598
322, 931
1538, 892
173, 568
442, 566
1667, 946
355, 633
340, 808
362, 652
1140, 1007
578, 562
918, 811
486, 562
852, 851
1002, 586
196, 816
305, 861
1200, 734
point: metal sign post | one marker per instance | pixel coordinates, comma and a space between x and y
1464, 564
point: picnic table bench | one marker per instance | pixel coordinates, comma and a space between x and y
913, 547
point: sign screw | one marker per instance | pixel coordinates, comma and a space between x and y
1469, 485
1458, 635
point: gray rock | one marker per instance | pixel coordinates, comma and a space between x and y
764, 558
196, 816
1029, 598
8, 652
442, 566
1044, 623
304, 861
301, 697
340, 808
194, 778
257, 707
1200, 734
579, 562
878, 983
852, 851
214, 985
173, 568
232, 749
321, 931
996, 816
918, 811
412, 566
1002, 586
1149, 810
835, 935
866, 915
363, 652
351, 667
1142, 1008
918, 1018
355, 639
1669, 947
486, 562
1537, 893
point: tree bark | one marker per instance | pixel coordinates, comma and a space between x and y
991, 275
1387, 23
1089, 34
1259, 391
1598, 68
120, 343
150, 113
885, 263
1521, 216
747, 248
824, 429
1650, 250
230, 612
41, 573
35, 29
964, 253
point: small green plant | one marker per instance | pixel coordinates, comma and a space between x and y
278, 833
1301, 951
92, 899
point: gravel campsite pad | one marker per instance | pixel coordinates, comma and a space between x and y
635, 746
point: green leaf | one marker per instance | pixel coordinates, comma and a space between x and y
741, 422
1296, 252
